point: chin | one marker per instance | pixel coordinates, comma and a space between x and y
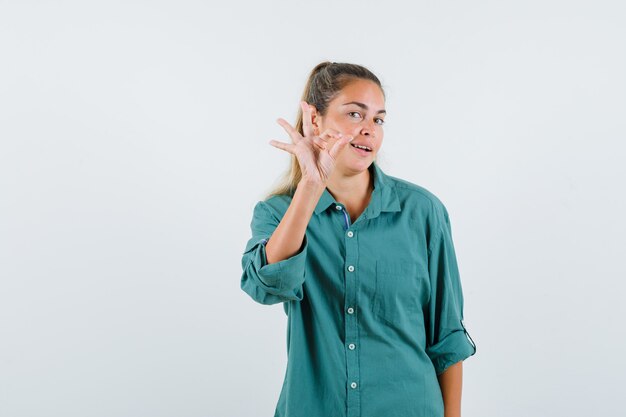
352, 164
358, 166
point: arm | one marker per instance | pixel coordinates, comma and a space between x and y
448, 342
316, 156
289, 234
275, 256
451, 383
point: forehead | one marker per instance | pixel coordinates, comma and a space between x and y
363, 91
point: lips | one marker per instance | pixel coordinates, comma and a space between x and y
361, 146
361, 153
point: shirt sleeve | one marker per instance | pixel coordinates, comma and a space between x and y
276, 282
447, 341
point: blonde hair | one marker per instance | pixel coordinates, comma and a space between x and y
324, 83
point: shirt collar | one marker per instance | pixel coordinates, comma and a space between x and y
384, 197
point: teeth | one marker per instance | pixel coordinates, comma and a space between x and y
361, 147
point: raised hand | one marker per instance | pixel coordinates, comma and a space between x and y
316, 155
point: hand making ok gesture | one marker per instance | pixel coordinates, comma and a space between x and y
316, 155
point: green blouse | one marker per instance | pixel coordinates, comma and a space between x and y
374, 308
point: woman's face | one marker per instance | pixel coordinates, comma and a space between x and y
357, 110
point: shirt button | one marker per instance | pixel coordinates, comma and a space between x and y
350, 310
353, 385
350, 234
338, 207
350, 268
351, 346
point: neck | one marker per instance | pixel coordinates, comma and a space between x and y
351, 189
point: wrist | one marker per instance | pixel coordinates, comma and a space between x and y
309, 185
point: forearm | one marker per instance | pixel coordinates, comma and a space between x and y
289, 234
451, 383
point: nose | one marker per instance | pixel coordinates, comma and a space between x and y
367, 128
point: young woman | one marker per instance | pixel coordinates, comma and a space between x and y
363, 263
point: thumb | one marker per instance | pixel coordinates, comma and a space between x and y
339, 145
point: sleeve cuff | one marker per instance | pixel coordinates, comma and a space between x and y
280, 276
455, 347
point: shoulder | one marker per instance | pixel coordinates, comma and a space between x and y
417, 198
274, 206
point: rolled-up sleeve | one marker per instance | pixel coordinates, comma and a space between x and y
448, 341
276, 282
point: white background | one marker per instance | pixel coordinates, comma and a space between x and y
134, 144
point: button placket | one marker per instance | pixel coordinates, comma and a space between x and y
351, 332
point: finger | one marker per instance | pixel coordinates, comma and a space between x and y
330, 134
331, 137
339, 145
293, 133
307, 123
282, 145
319, 142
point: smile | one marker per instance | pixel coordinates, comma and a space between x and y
365, 148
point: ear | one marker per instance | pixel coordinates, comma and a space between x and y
315, 120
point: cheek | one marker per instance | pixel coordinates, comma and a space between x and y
347, 127
379, 141
337, 125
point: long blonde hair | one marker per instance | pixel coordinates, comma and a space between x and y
324, 83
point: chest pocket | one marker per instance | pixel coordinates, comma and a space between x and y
397, 296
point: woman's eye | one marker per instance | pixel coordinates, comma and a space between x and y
353, 113
380, 121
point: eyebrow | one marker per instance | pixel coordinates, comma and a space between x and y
364, 107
